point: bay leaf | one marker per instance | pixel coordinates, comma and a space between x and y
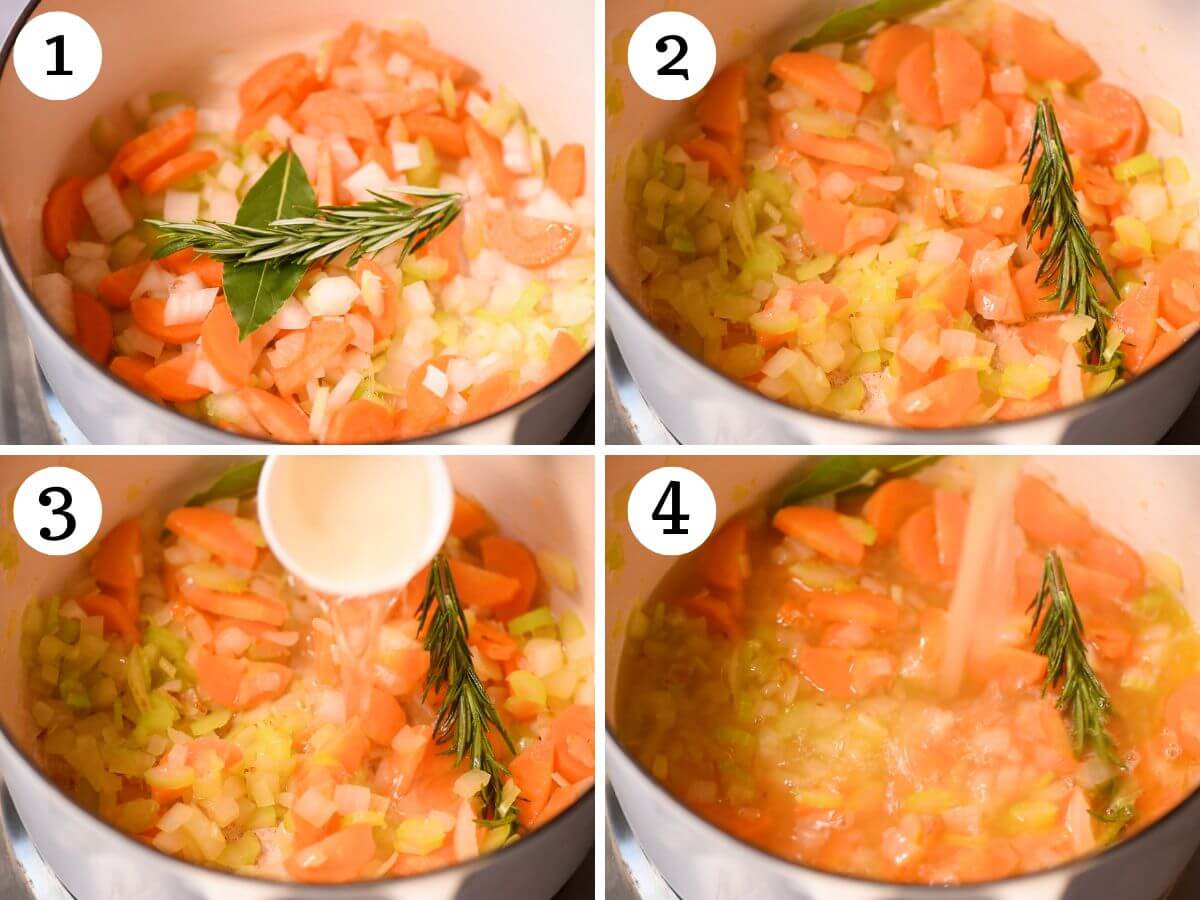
853, 24
837, 474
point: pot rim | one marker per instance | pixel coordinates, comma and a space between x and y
24, 295
1069, 868
894, 434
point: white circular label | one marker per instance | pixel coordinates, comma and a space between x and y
58, 55
672, 55
672, 511
57, 511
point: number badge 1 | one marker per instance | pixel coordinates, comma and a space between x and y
57, 511
672, 56
58, 56
672, 511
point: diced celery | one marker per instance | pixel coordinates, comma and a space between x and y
136, 816
1136, 167
210, 723
532, 621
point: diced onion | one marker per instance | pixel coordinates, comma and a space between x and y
466, 842
919, 351
366, 180
314, 807
56, 295
184, 307
955, 343
292, 316
332, 296
958, 177
405, 156
1164, 113
351, 798
107, 210
471, 783
181, 206
943, 248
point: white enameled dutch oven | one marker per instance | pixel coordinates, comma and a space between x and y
1149, 47
1152, 503
154, 46
544, 501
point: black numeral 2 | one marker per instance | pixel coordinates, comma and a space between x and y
663, 45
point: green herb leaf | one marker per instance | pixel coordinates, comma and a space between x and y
1114, 804
853, 24
240, 481
836, 474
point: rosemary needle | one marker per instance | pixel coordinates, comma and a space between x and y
367, 227
466, 713
1072, 258
1060, 640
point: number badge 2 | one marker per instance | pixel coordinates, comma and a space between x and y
672, 55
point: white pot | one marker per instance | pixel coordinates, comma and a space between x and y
544, 501
153, 46
1150, 49
1152, 503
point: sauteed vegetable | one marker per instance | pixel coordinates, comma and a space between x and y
945, 221
795, 681
358, 245
190, 692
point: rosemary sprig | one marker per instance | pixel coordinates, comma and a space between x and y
1072, 257
466, 713
368, 227
1061, 641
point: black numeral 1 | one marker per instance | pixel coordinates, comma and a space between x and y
675, 517
59, 43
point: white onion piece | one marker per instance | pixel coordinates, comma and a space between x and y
185, 307
56, 295
959, 177
943, 248
106, 209
332, 296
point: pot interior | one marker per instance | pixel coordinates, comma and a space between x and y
1148, 501
175, 45
545, 502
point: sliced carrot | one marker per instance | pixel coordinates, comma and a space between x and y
426, 410
1179, 280
917, 88
93, 327
132, 370
219, 340
826, 222
483, 589
889, 48
1137, 317
848, 151
324, 341
469, 518
449, 246
1093, 587
950, 513
868, 226
446, 135
1111, 639
118, 559
216, 531
339, 112
950, 288
821, 529
342, 48
573, 734
1182, 713
282, 419
1115, 103
406, 670
117, 618
715, 608
169, 380
1099, 185
382, 717
918, 546
890, 505
148, 314
959, 72
529, 242
1167, 343
720, 160
565, 352
177, 169
339, 858
533, 772
943, 403
846, 674
183, 262
1035, 299
511, 558
64, 216
496, 393
1087, 132
1046, 517
862, 607
148, 151
488, 155
1013, 669
283, 104
246, 607
361, 421
1107, 554
821, 76
116, 288
567, 175
427, 57
1047, 56
269, 79
723, 559
983, 132
721, 104
562, 799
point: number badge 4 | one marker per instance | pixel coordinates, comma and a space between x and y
672, 511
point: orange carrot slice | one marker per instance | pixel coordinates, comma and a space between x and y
890, 505
469, 518
93, 327
1114, 103
117, 618
176, 170
63, 216
821, 529
849, 151
511, 558
721, 104
918, 546
487, 397
724, 562
1047, 56
826, 222
339, 112
821, 76
183, 262
232, 358
567, 175
482, 589
361, 422
446, 135
1179, 278
533, 771
943, 403
269, 79
959, 73
324, 340
560, 801
169, 380
132, 370
863, 607
917, 88
1107, 554
488, 155
889, 48
118, 559
846, 674
382, 718
150, 150
282, 419
951, 287
245, 607
573, 733
983, 132
116, 288
1137, 317
1013, 669
1046, 517
148, 314
427, 57
950, 513
283, 104
719, 158
716, 610
529, 242
216, 531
